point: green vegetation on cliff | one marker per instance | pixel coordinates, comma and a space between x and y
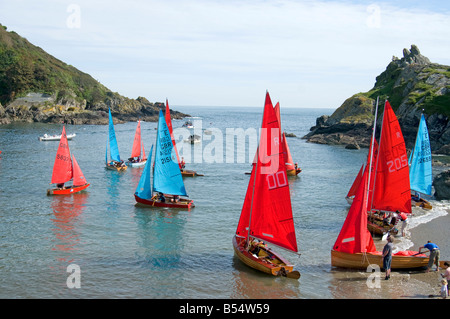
37, 87
413, 81
25, 68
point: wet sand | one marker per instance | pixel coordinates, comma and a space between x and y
437, 230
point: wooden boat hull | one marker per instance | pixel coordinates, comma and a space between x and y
362, 261
183, 203
293, 172
67, 190
276, 266
116, 168
421, 202
379, 230
189, 173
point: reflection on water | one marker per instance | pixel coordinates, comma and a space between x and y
67, 219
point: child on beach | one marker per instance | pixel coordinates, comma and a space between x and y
444, 289
446, 274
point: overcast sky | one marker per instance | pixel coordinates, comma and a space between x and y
228, 53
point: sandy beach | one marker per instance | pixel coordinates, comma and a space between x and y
403, 284
437, 231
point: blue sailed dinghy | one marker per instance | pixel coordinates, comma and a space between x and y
168, 183
420, 170
115, 163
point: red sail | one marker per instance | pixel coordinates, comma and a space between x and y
354, 236
267, 210
62, 169
357, 181
78, 177
169, 125
288, 157
392, 189
136, 150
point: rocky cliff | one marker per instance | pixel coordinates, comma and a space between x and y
37, 87
412, 85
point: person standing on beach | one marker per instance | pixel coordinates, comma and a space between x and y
387, 257
434, 254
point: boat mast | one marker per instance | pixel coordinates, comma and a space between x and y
371, 152
256, 171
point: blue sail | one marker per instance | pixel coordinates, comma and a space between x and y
144, 188
113, 147
167, 177
420, 172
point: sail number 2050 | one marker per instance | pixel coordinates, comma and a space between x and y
397, 163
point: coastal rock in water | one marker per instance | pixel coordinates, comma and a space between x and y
441, 185
412, 85
350, 124
290, 135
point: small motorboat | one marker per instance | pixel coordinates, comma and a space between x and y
47, 137
188, 124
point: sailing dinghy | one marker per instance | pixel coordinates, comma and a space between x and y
267, 213
115, 163
292, 168
391, 191
137, 158
64, 170
168, 185
420, 170
184, 172
354, 247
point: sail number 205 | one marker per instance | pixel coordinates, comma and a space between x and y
397, 163
278, 179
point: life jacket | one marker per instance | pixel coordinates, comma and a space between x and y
403, 216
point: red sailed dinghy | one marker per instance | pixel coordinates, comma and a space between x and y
267, 213
64, 169
291, 168
354, 247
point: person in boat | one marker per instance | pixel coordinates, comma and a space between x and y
256, 246
182, 164
161, 197
134, 159
387, 257
393, 221
175, 199
386, 221
435, 253
60, 185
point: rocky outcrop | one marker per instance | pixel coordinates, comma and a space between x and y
37, 87
441, 185
412, 85
349, 125
38, 107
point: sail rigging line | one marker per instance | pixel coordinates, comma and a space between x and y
254, 175
371, 155
378, 157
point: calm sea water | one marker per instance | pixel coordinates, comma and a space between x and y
124, 251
